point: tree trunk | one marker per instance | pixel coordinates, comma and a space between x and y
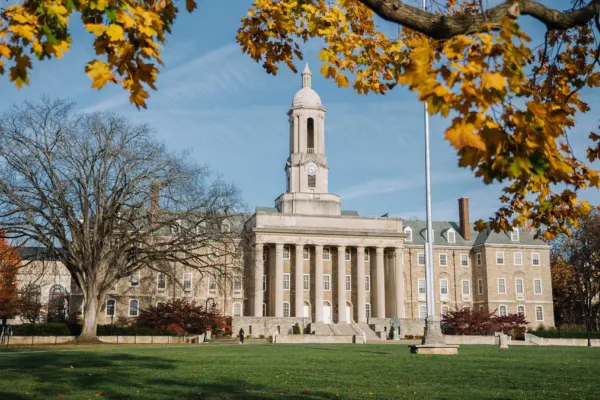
90, 319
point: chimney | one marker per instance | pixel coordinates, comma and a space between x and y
154, 200
463, 216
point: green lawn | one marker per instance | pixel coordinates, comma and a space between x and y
297, 371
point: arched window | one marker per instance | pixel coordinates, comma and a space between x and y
264, 309
134, 308
521, 310
422, 312
306, 310
502, 311
58, 303
111, 307
310, 136
445, 310
368, 311
237, 309
286, 309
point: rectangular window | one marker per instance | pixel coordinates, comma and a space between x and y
347, 255
326, 253
451, 236
499, 258
539, 313
514, 235
501, 286
187, 282
519, 287
110, 307
421, 258
286, 252
464, 260
264, 283
367, 283
133, 308
367, 255
134, 281
212, 286
312, 181
480, 286
286, 309
237, 287
348, 282
327, 282
421, 288
306, 253
466, 288
537, 286
478, 258
535, 259
443, 260
306, 281
518, 258
161, 282
286, 281
444, 289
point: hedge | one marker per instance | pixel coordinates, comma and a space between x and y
565, 333
62, 329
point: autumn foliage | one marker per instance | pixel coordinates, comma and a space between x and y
180, 316
9, 264
479, 322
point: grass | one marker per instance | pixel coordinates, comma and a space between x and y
297, 371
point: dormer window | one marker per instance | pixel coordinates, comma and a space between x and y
514, 235
451, 236
408, 233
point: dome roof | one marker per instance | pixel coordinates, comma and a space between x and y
306, 96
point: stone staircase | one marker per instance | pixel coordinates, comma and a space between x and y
319, 328
370, 333
345, 329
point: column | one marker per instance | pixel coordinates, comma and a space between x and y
299, 281
341, 284
296, 134
259, 271
360, 284
279, 280
399, 274
380, 284
318, 283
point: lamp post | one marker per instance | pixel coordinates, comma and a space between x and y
206, 317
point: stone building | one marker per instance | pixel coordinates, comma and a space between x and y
333, 271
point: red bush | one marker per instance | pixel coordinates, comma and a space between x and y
180, 315
478, 322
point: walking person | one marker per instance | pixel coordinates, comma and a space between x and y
241, 335
6, 334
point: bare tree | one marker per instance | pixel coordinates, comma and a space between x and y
580, 253
103, 197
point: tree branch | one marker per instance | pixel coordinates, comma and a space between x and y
445, 27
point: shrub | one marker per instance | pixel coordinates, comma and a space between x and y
296, 329
248, 336
566, 332
408, 336
478, 322
47, 329
261, 336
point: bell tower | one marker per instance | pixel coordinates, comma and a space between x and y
307, 171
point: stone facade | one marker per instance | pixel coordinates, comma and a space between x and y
313, 262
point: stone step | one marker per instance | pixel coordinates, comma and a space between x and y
345, 329
369, 333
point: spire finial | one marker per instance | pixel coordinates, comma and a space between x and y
306, 77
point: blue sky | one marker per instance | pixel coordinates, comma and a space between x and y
221, 106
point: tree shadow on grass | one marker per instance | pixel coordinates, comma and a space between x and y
123, 376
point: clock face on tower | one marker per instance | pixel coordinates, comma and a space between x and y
311, 169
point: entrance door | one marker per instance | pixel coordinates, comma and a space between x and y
327, 313
306, 310
348, 314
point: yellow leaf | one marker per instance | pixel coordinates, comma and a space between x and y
26, 31
463, 135
96, 29
493, 80
341, 80
4, 51
100, 73
115, 32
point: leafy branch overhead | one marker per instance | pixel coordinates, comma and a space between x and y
510, 103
